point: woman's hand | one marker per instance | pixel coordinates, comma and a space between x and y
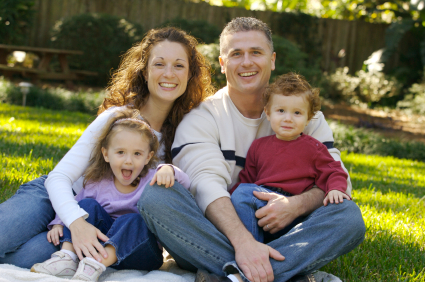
54, 234
85, 240
336, 197
164, 176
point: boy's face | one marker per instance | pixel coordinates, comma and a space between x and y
288, 115
247, 62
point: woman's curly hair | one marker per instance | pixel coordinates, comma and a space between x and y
128, 85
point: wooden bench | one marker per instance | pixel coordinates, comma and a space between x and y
43, 70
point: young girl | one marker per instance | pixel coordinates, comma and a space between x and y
120, 167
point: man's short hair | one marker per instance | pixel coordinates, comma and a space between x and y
246, 24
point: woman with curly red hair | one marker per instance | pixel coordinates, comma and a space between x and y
163, 77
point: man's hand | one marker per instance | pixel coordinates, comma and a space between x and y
253, 258
280, 211
54, 234
85, 240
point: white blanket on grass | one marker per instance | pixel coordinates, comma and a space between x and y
169, 272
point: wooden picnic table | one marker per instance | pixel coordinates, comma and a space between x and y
43, 70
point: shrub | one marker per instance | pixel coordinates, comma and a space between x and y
364, 141
102, 38
16, 17
414, 101
288, 58
202, 30
211, 52
52, 98
363, 87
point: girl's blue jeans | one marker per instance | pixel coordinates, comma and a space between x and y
23, 232
135, 246
195, 243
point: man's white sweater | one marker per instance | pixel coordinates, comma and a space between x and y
212, 141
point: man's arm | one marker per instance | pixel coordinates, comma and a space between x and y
252, 257
197, 152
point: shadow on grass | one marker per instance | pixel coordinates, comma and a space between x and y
46, 116
38, 151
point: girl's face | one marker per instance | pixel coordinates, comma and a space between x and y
128, 152
167, 72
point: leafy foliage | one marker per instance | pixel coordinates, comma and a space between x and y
414, 101
16, 17
102, 38
52, 98
202, 30
363, 87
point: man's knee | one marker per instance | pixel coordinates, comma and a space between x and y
351, 216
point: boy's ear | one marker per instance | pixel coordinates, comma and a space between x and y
105, 154
149, 157
267, 113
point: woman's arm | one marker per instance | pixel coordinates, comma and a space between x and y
70, 168
59, 186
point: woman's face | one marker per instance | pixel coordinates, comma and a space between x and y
167, 71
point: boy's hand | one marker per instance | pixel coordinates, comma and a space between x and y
336, 197
54, 234
164, 176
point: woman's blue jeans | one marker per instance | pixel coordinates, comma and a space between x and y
23, 225
135, 246
174, 217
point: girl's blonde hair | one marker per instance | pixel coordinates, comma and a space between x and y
98, 168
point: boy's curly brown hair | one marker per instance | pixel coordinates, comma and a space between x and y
293, 84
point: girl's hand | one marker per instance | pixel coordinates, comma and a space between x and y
85, 240
54, 234
336, 197
164, 176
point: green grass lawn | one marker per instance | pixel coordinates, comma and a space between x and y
389, 191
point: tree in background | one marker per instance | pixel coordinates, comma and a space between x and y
16, 17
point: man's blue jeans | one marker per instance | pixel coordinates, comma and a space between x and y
135, 246
23, 225
174, 217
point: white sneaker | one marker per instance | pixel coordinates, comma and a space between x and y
88, 270
60, 265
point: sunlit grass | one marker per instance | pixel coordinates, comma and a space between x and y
391, 195
389, 191
32, 141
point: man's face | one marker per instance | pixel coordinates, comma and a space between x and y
247, 62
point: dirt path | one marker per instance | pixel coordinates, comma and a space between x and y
392, 124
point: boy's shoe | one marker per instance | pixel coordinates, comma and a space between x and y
60, 265
88, 270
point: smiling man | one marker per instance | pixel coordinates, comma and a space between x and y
201, 229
